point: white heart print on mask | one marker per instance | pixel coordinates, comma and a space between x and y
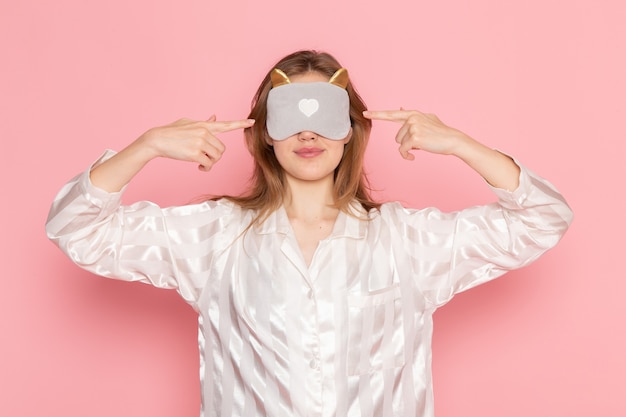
308, 106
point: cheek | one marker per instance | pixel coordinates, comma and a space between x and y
279, 150
338, 152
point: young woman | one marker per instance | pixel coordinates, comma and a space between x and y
312, 298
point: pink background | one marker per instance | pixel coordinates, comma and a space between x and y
540, 79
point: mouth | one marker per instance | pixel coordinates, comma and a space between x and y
308, 152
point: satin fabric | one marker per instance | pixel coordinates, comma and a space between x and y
348, 335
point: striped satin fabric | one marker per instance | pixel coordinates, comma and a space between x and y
348, 335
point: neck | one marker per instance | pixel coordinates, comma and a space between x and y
310, 199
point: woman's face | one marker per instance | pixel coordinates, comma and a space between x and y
307, 156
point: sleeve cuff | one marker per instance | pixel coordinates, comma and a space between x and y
515, 198
97, 196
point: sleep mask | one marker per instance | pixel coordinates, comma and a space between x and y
320, 107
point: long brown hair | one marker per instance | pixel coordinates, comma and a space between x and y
267, 188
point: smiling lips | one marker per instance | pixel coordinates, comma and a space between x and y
309, 152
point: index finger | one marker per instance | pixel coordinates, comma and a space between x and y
391, 115
228, 125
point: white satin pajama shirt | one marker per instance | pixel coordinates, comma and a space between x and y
349, 335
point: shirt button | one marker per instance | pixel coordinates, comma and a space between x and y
314, 364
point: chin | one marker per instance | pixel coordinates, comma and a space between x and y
313, 177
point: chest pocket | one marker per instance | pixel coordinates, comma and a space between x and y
375, 331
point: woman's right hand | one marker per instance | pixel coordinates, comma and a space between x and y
185, 140
191, 140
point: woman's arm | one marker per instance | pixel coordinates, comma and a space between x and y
134, 243
481, 242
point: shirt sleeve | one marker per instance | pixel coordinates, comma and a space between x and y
167, 248
452, 252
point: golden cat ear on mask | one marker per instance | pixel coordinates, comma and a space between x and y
279, 78
340, 78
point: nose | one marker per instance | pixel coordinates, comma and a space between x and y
307, 135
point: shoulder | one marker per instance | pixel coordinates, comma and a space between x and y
395, 209
395, 215
222, 210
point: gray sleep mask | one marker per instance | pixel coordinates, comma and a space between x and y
320, 107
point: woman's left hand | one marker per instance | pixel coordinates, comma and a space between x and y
421, 131
426, 132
